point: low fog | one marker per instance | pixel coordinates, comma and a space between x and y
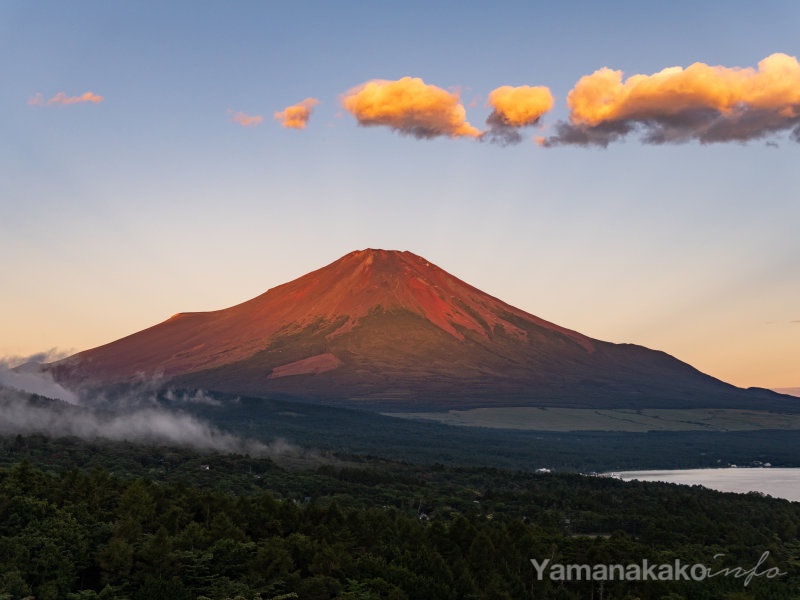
32, 402
24, 374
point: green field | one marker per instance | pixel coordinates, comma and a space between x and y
580, 419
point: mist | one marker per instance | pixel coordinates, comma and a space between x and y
23, 373
32, 402
23, 414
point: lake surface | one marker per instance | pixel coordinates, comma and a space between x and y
780, 483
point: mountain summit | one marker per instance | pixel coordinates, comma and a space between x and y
390, 329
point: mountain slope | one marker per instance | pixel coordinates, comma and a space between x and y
389, 328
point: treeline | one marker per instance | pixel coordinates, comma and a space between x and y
329, 429
339, 429
171, 524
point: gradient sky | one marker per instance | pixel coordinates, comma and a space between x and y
144, 171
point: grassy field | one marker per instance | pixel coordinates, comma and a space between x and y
579, 419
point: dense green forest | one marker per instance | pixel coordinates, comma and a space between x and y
82, 520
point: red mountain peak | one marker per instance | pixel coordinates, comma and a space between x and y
390, 327
368, 280
336, 298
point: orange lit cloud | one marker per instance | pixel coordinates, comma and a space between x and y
296, 116
62, 99
701, 102
514, 108
410, 107
245, 120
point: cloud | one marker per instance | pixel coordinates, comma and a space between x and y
21, 414
709, 104
32, 402
24, 374
196, 397
297, 115
410, 107
62, 99
45, 356
513, 109
245, 120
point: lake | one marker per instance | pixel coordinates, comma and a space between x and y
780, 483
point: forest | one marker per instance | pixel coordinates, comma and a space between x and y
102, 519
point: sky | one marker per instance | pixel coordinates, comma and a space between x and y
624, 169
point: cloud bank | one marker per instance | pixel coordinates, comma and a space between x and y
137, 416
297, 115
22, 415
709, 104
409, 106
701, 103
